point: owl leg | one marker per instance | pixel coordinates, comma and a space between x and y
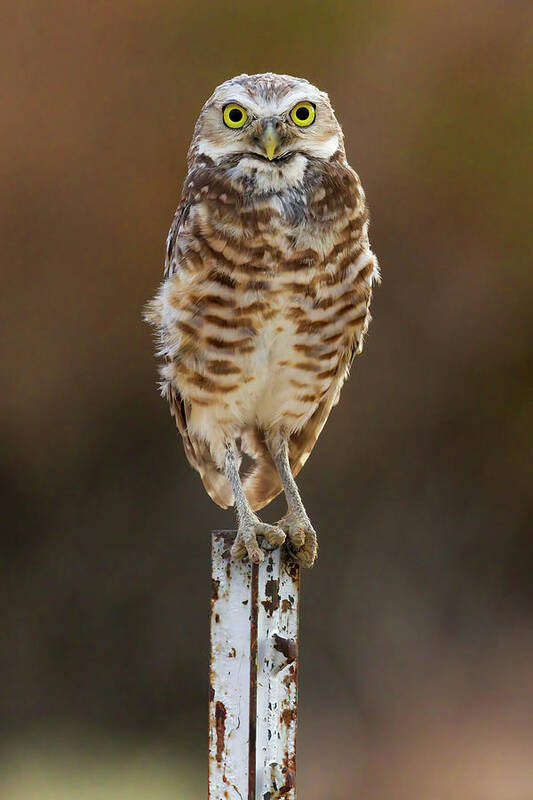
295, 523
250, 526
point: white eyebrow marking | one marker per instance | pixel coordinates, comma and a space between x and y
260, 107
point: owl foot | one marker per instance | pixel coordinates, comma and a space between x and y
302, 539
246, 543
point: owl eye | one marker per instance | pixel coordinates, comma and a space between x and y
234, 115
303, 114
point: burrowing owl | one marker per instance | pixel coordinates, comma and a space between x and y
266, 295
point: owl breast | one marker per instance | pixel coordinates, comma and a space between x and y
265, 308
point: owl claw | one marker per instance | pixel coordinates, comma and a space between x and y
295, 531
238, 550
246, 543
306, 555
302, 540
273, 534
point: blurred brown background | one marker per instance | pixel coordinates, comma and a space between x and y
417, 644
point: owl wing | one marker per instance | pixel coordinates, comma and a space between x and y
196, 451
180, 218
198, 454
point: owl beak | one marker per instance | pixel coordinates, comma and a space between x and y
270, 140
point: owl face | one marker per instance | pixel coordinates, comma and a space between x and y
267, 120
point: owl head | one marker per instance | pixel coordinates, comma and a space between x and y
267, 119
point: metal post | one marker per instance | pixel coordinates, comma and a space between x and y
253, 676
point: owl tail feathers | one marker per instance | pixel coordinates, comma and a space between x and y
217, 486
263, 483
215, 482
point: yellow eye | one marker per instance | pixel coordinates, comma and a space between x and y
234, 116
303, 114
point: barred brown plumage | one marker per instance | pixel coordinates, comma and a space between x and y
265, 302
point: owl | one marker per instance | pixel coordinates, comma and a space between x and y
265, 298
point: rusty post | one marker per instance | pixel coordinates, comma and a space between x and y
253, 676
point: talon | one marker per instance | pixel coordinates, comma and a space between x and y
238, 550
273, 534
255, 554
297, 537
302, 540
246, 543
294, 531
306, 556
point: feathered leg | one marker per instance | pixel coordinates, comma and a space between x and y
250, 526
295, 523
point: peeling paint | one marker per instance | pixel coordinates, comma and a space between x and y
253, 671
277, 687
228, 706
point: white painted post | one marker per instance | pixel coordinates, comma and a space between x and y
253, 677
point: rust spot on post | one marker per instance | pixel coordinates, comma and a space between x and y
288, 648
229, 538
291, 676
292, 568
214, 589
287, 716
290, 780
272, 592
220, 724
289, 771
